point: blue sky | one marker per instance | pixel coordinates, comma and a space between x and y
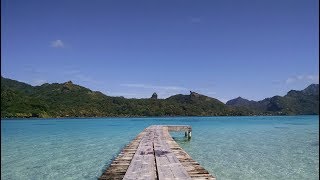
220, 48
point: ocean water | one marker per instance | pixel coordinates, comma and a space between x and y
228, 147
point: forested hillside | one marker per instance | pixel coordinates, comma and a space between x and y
70, 100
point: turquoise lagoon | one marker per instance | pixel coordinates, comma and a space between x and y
261, 147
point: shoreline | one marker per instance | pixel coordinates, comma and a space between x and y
146, 117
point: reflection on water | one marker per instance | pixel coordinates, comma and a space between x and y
281, 127
43, 124
316, 143
294, 123
230, 147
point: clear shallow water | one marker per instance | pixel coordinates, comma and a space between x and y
228, 147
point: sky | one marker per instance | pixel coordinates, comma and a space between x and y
220, 48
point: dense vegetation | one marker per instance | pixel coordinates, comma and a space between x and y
69, 100
293, 103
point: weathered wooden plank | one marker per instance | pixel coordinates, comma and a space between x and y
115, 172
142, 165
153, 154
192, 167
168, 165
184, 128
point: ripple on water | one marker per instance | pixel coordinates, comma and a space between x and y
297, 124
230, 147
315, 143
281, 127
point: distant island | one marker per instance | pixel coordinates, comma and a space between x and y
21, 100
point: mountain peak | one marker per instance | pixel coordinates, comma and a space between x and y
240, 98
194, 94
52, 100
154, 96
312, 89
68, 82
239, 101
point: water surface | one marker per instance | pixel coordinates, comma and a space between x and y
228, 147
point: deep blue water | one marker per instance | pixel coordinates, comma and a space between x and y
263, 147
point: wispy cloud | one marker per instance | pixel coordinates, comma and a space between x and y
37, 82
57, 44
124, 94
72, 72
299, 78
195, 20
290, 80
224, 100
147, 86
84, 78
165, 91
78, 75
210, 93
35, 76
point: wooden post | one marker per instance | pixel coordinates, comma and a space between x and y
185, 134
189, 134
147, 157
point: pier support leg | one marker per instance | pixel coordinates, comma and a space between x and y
185, 134
189, 135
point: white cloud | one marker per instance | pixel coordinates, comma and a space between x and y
313, 77
57, 44
75, 74
211, 93
72, 72
38, 82
290, 80
146, 90
195, 20
307, 78
124, 94
223, 100
165, 91
146, 86
34, 70
300, 77
88, 79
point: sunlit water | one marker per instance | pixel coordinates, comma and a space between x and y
228, 147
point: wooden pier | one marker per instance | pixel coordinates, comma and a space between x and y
154, 155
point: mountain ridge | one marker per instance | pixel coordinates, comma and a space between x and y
67, 99
295, 102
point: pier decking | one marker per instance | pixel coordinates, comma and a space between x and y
153, 155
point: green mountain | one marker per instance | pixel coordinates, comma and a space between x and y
70, 100
293, 103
